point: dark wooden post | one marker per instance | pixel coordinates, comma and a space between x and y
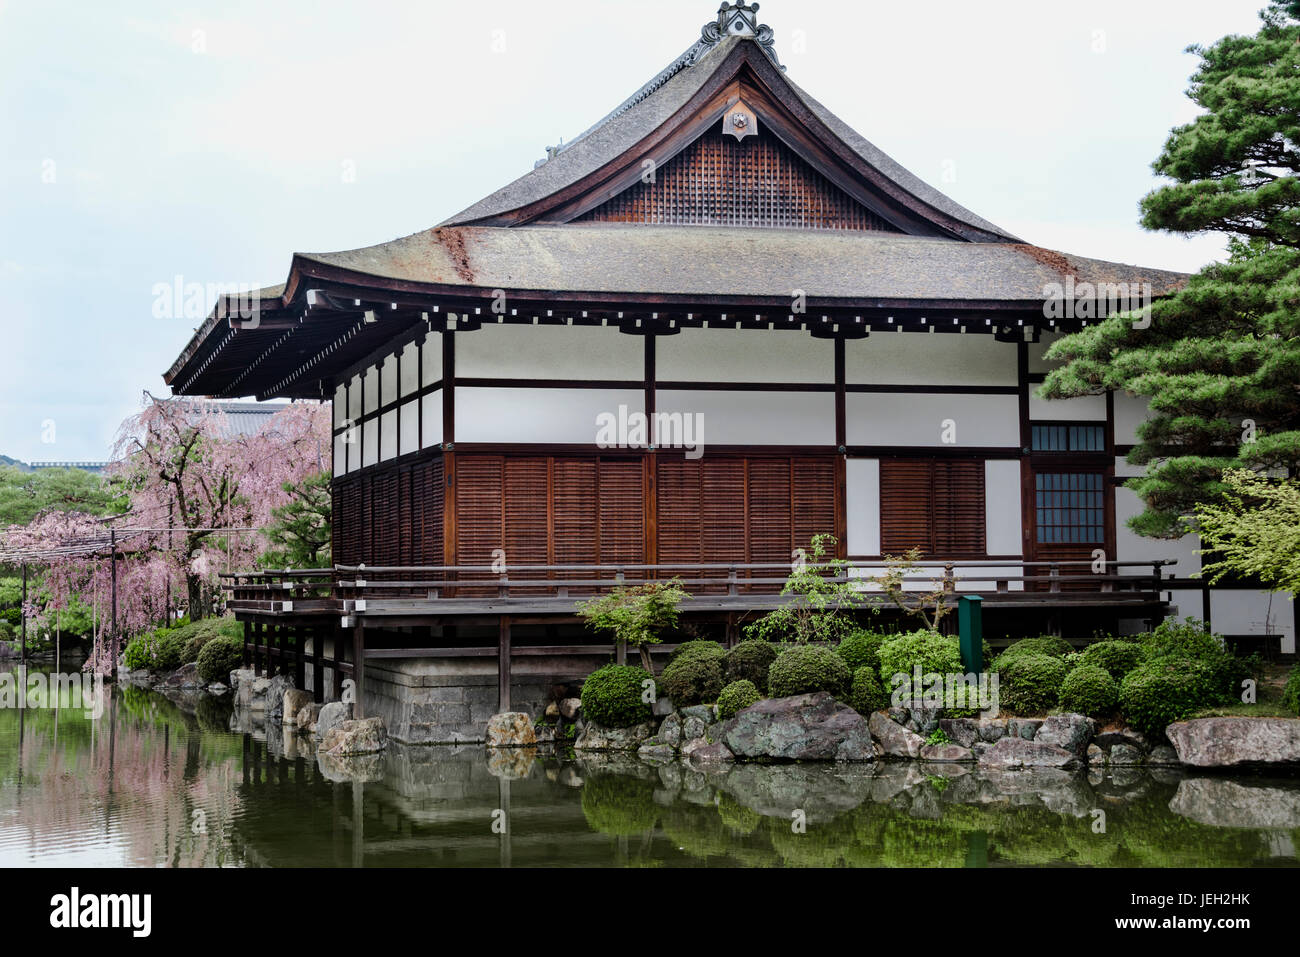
359, 669
503, 665
317, 671
299, 661
338, 660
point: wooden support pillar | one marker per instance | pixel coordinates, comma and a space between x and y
317, 663
299, 661
337, 659
255, 634
503, 665
248, 633
359, 669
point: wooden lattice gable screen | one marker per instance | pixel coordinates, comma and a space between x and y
936, 505
757, 181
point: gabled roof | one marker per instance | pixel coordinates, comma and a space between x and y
698, 91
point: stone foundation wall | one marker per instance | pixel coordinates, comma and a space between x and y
449, 700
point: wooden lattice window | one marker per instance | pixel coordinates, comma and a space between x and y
1070, 507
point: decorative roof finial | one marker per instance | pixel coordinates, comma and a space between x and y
736, 20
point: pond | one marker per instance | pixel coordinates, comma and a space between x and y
157, 783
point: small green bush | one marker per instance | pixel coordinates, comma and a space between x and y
933, 652
735, 697
699, 647
1090, 690
804, 669
861, 649
1291, 694
693, 679
138, 654
1031, 683
1118, 658
867, 694
220, 656
750, 660
612, 696
198, 634
162, 649
1044, 645
1160, 692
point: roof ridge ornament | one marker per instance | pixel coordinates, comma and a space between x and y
735, 20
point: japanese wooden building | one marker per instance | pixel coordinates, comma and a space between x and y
715, 324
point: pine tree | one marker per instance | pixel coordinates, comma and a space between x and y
1220, 359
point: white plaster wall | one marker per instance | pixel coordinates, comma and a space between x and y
388, 435
354, 398
409, 427
370, 390
370, 442
340, 406
917, 420
744, 355
756, 418
910, 358
1130, 411
431, 358
1037, 364
431, 425
862, 506
1131, 547
340, 465
537, 415
388, 381
1003, 521
1091, 408
409, 376
502, 351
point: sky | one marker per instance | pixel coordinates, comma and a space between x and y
149, 144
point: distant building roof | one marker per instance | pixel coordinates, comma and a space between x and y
237, 419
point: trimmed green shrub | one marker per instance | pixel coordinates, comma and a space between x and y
693, 679
803, 669
612, 696
867, 694
933, 652
1090, 690
1031, 683
199, 633
1291, 694
750, 660
162, 649
220, 656
861, 649
1188, 640
735, 697
1043, 645
1160, 692
698, 647
1118, 658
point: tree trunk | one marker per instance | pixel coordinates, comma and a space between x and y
646, 663
195, 592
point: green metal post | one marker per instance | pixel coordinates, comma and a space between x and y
970, 624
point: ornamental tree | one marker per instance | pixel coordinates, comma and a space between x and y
1220, 359
1253, 531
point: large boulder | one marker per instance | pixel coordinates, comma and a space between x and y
1129, 736
241, 686
569, 708
308, 716
332, 714
895, 740
595, 737
510, 729
363, 736
670, 731
1236, 742
1016, 752
962, 731
1070, 732
946, 753
275, 690
806, 727
294, 701
702, 751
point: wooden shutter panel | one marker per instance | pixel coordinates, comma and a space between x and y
346, 522
934, 505
525, 507
479, 508
812, 500
678, 508
621, 518
576, 536
905, 507
958, 503
770, 535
